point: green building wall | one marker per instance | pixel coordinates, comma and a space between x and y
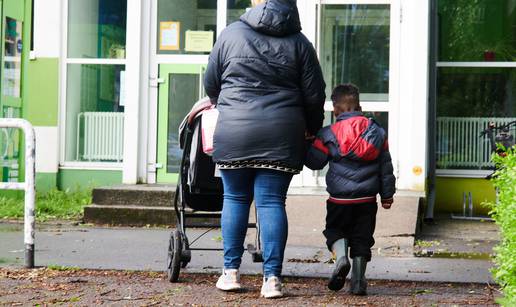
73, 179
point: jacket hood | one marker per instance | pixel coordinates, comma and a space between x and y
358, 138
274, 17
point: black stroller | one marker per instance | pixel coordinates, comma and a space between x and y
198, 196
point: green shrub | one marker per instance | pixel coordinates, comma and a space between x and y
55, 204
504, 213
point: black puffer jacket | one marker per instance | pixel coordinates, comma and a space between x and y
266, 80
360, 163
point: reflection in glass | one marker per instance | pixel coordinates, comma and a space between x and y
183, 94
476, 92
94, 113
355, 48
480, 30
468, 100
191, 15
96, 28
10, 141
13, 46
236, 8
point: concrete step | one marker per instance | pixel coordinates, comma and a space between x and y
141, 195
123, 215
140, 216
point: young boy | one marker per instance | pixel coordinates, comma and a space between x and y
360, 168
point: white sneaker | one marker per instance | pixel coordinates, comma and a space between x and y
229, 280
272, 287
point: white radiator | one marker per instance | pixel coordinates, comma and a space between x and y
459, 144
102, 136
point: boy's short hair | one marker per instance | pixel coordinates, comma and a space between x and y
348, 91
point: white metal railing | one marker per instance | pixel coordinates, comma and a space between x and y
28, 186
459, 144
102, 136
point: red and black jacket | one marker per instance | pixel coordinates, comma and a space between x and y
360, 163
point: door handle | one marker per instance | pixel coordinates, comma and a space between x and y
155, 82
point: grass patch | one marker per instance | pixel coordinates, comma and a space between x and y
423, 291
8, 261
422, 243
63, 268
55, 204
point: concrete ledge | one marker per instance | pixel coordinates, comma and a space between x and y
135, 195
129, 215
140, 216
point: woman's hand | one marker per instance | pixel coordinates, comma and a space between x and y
308, 136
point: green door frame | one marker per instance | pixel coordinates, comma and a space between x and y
163, 176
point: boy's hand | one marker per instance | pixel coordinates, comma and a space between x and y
387, 203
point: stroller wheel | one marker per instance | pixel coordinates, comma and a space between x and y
175, 247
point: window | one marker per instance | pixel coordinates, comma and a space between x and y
473, 87
477, 30
10, 140
237, 8
183, 92
355, 48
96, 29
12, 58
186, 27
95, 81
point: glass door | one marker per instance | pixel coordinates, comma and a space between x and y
184, 33
181, 88
354, 40
13, 45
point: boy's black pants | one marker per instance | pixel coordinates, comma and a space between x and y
355, 222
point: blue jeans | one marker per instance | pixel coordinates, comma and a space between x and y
269, 188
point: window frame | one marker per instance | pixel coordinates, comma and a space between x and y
64, 61
455, 172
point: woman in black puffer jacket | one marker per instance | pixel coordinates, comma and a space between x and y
265, 78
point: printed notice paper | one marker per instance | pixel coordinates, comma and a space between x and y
169, 35
199, 41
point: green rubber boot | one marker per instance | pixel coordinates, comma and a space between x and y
358, 282
342, 265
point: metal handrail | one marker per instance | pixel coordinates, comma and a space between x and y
28, 186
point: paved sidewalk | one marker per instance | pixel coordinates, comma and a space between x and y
145, 249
